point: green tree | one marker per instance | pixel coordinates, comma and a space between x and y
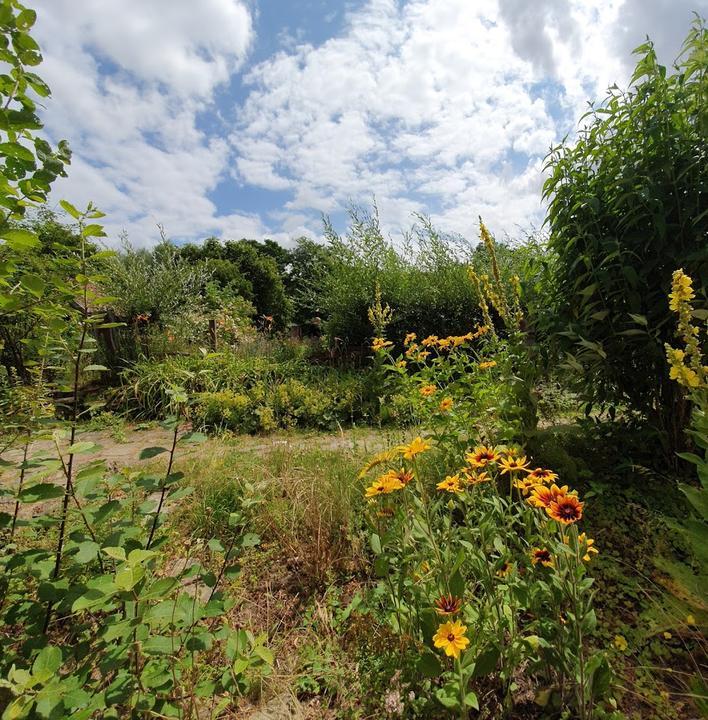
627, 205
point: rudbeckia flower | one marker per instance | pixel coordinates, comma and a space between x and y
403, 476
542, 496
540, 476
475, 478
505, 569
525, 484
384, 485
428, 390
514, 464
448, 605
482, 456
415, 447
451, 638
541, 556
450, 484
566, 509
445, 404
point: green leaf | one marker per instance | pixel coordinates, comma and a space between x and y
264, 654
375, 542
95, 368
46, 664
20, 240
151, 452
81, 448
87, 551
117, 553
17, 151
39, 492
70, 209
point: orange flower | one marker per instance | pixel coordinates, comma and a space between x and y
448, 605
403, 476
423, 354
428, 390
539, 475
514, 464
430, 341
566, 509
542, 496
541, 556
482, 456
445, 404
410, 337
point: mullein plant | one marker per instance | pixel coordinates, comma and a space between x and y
478, 550
687, 367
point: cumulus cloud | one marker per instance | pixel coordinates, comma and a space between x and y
128, 81
440, 106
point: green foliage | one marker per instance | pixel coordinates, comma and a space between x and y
248, 394
627, 207
249, 268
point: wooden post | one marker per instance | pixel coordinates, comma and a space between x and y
213, 338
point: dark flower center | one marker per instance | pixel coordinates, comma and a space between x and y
451, 637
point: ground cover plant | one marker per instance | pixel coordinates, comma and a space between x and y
361, 479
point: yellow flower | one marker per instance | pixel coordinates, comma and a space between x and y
681, 290
620, 643
430, 341
383, 485
410, 337
487, 364
451, 638
445, 404
566, 509
542, 496
380, 344
444, 343
380, 458
541, 476
450, 484
513, 464
684, 376
525, 484
690, 620
482, 456
423, 354
475, 478
428, 390
585, 543
505, 569
401, 364
415, 447
667, 635
541, 556
403, 476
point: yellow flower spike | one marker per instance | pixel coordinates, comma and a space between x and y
451, 484
379, 344
415, 447
450, 637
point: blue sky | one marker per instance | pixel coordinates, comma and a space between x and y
248, 118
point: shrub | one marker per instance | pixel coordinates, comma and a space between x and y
627, 206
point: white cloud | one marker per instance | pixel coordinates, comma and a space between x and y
442, 105
439, 101
128, 81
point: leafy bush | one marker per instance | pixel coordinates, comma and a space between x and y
626, 206
249, 393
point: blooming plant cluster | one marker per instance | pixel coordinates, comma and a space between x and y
481, 561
